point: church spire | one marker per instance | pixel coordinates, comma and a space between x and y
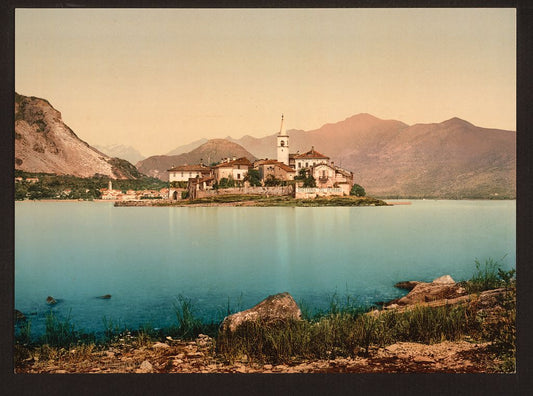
281, 132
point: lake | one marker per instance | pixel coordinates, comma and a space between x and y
146, 257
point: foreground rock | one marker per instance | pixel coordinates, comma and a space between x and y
276, 308
422, 292
51, 300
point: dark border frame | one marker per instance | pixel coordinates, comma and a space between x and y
397, 384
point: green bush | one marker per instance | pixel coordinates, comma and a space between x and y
357, 190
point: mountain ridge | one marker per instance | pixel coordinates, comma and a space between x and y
45, 144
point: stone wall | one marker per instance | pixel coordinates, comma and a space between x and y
311, 192
267, 191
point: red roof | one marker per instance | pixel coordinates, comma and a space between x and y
281, 165
238, 161
311, 154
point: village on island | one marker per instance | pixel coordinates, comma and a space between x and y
304, 176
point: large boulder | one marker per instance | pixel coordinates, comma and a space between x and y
276, 308
440, 289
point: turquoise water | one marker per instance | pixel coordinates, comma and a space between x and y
146, 257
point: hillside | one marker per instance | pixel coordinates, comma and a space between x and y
44, 144
211, 151
451, 159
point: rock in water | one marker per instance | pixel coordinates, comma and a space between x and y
275, 308
105, 297
407, 285
441, 288
51, 300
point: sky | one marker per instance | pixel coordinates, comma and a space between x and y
156, 79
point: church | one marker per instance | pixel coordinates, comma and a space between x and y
288, 165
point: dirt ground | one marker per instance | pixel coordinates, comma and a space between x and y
198, 357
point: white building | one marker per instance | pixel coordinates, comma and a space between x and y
186, 172
236, 169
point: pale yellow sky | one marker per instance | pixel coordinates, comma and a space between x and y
157, 79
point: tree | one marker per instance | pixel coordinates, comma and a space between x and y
309, 181
357, 190
272, 181
226, 182
253, 177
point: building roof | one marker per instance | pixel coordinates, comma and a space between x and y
198, 168
281, 165
238, 161
335, 168
311, 154
286, 168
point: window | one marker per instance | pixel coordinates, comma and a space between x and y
238, 176
299, 165
282, 143
307, 164
181, 174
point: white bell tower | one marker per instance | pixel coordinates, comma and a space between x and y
283, 145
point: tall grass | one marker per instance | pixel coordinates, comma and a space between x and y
343, 334
489, 275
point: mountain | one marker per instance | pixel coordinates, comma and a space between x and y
128, 153
187, 147
451, 159
43, 143
211, 151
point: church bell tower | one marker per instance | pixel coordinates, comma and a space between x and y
283, 145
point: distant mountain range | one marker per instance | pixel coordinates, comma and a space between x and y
128, 153
43, 143
450, 159
211, 151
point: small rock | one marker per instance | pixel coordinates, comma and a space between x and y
51, 300
110, 354
444, 280
146, 367
160, 345
267, 367
60, 372
105, 297
423, 359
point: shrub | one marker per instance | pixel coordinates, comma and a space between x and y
357, 190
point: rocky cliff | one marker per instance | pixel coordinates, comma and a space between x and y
44, 143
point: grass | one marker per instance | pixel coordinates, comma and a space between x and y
343, 335
489, 275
